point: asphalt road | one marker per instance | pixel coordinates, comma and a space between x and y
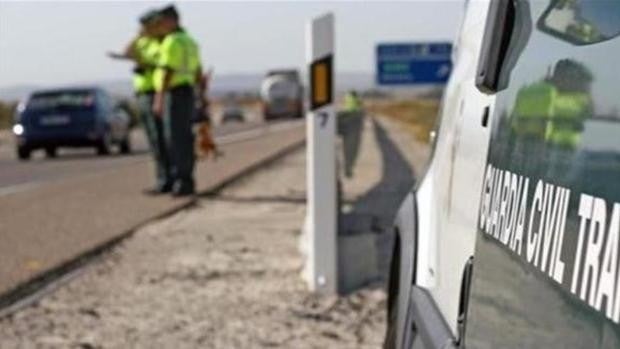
18, 175
53, 211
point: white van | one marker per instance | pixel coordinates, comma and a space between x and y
436, 225
512, 239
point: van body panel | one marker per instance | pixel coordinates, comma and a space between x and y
546, 270
451, 187
445, 199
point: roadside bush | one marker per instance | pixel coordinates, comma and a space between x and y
6, 114
418, 115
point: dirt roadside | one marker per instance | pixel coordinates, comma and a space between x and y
5, 139
224, 274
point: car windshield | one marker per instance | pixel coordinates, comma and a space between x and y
61, 100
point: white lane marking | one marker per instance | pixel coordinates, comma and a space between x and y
240, 136
254, 133
19, 188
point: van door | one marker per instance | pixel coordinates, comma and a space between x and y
546, 256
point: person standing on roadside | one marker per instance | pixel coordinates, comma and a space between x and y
177, 75
144, 51
350, 127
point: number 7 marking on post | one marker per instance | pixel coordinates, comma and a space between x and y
324, 116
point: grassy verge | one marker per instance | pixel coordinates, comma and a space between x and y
418, 115
6, 115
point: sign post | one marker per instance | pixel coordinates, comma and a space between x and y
320, 270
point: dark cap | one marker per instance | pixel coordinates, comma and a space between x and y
169, 11
571, 69
149, 16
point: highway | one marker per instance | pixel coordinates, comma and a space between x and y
24, 175
53, 211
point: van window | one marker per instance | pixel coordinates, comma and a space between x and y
582, 22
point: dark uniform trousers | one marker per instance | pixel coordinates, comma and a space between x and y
179, 109
154, 129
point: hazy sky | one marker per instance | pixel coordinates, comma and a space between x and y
50, 42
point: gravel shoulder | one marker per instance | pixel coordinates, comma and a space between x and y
223, 274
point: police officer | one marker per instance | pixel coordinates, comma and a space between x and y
554, 109
572, 106
177, 74
350, 125
144, 51
549, 117
352, 102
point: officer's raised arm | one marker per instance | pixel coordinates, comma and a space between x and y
129, 53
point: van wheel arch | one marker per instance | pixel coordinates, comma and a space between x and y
392, 294
402, 277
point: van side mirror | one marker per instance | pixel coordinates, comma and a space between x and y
497, 36
581, 22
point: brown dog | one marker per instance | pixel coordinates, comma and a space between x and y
205, 144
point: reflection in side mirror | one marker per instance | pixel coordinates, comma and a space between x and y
582, 22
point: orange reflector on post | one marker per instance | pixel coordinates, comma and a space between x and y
321, 83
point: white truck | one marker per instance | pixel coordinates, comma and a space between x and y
282, 95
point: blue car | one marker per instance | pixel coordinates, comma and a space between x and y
73, 117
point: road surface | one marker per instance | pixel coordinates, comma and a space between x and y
53, 211
222, 275
21, 175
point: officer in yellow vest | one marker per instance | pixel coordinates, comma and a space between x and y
350, 125
572, 105
533, 110
352, 102
177, 75
554, 110
144, 51
549, 117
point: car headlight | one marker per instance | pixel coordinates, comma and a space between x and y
18, 129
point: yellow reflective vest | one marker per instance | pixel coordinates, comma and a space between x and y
352, 103
147, 52
179, 55
541, 111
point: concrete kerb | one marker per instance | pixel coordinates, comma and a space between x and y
252, 169
48, 281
